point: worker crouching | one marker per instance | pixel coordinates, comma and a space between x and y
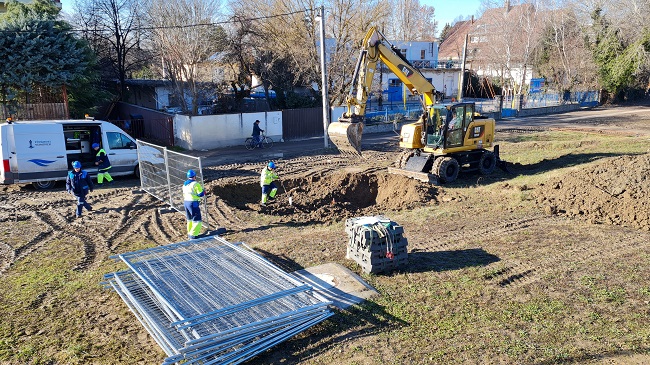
192, 194
267, 179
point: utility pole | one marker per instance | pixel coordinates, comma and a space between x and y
462, 70
326, 104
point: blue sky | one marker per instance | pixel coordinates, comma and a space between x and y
447, 11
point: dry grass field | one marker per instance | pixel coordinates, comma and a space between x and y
549, 264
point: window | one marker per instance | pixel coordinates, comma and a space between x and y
423, 53
469, 114
455, 127
118, 141
394, 82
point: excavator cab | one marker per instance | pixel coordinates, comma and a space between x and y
447, 126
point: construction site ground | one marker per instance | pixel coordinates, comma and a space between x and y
548, 264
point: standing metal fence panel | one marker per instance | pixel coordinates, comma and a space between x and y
163, 172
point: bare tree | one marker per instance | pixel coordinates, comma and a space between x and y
411, 21
529, 37
347, 24
112, 28
184, 32
507, 36
563, 57
290, 33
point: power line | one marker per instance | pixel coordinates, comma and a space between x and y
232, 20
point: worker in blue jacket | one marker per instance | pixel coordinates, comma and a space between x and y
192, 195
79, 184
103, 165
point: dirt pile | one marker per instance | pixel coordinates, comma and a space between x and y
332, 196
615, 191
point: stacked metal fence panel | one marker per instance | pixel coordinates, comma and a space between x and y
377, 244
209, 301
163, 172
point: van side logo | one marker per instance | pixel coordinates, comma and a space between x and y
41, 162
30, 144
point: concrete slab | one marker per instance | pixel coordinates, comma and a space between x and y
336, 283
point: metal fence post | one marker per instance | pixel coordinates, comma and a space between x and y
169, 183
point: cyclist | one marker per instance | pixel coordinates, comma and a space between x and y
257, 131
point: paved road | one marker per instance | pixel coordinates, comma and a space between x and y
239, 154
575, 119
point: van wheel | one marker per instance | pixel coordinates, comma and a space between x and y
43, 184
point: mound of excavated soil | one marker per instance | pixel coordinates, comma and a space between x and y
332, 196
615, 191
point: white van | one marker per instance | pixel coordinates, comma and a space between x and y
41, 152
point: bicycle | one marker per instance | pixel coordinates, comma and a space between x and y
250, 144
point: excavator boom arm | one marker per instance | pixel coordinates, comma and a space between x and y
346, 133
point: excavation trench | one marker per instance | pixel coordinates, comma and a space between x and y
329, 196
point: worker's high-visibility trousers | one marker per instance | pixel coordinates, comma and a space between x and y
101, 174
268, 191
193, 215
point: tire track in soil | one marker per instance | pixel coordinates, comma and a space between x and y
91, 230
457, 239
145, 231
522, 130
7, 257
516, 271
520, 274
225, 216
170, 223
158, 230
301, 166
133, 217
35, 243
64, 230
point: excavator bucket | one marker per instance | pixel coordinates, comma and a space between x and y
346, 136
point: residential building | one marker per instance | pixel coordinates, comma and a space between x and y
442, 74
496, 44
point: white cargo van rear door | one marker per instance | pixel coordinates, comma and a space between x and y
39, 152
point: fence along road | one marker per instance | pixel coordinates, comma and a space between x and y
163, 172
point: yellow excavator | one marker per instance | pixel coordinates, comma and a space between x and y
445, 139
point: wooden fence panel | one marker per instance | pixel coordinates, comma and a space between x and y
41, 111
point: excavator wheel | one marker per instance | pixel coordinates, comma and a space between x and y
446, 168
346, 136
487, 163
403, 158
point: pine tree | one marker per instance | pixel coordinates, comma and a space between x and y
38, 51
